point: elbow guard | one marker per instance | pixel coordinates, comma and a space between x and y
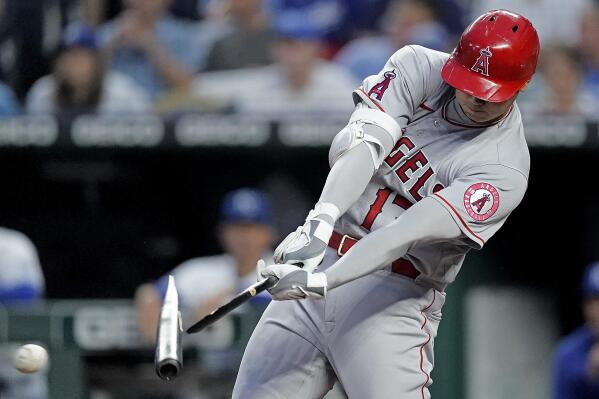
377, 129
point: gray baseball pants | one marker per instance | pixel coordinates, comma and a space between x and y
375, 335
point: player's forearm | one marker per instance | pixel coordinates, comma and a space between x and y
348, 178
425, 221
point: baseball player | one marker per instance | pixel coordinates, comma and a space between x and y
431, 164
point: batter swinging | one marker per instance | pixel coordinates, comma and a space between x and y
431, 164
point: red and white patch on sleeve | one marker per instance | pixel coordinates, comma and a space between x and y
481, 201
379, 89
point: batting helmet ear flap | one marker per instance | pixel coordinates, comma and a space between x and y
495, 57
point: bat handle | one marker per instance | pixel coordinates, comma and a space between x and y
270, 282
216, 314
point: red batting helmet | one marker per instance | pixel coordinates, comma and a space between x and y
496, 56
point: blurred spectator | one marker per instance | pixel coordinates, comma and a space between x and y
21, 278
21, 43
556, 21
248, 45
364, 16
21, 283
79, 83
407, 22
246, 234
328, 16
299, 83
452, 14
576, 363
155, 49
589, 43
558, 90
96, 12
8, 102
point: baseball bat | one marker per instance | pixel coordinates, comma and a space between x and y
240, 298
168, 359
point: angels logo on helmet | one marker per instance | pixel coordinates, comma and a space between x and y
482, 62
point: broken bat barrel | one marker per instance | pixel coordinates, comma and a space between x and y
169, 355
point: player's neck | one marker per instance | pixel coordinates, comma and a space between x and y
457, 114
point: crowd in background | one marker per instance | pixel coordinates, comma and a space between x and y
261, 57
268, 57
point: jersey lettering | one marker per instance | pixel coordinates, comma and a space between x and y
379, 89
482, 62
402, 202
397, 154
412, 164
377, 207
383, 194
419, 183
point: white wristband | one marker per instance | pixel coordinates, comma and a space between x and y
317, 280
327, 208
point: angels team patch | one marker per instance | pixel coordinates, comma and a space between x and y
481, 201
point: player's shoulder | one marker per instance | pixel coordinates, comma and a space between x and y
500, 148
420, 60
423, 64
512, 149
413, 52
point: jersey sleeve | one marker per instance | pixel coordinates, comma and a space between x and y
400, 87
481, 199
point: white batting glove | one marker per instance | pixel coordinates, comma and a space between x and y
305, 247
293, 282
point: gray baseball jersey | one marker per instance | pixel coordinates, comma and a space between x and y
375, 334
478, 172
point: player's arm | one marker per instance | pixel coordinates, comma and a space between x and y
357, 152
446, 215
425, 221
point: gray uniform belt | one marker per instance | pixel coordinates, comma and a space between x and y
343, 242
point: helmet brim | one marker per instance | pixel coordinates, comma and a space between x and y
461, 78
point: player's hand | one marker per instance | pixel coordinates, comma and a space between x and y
305, 247
293, 282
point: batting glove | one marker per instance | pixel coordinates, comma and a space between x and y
305, 247
293, 282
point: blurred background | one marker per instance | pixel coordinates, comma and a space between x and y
126, 126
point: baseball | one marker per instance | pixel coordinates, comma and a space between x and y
30, 358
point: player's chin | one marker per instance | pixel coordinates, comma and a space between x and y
479, 116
